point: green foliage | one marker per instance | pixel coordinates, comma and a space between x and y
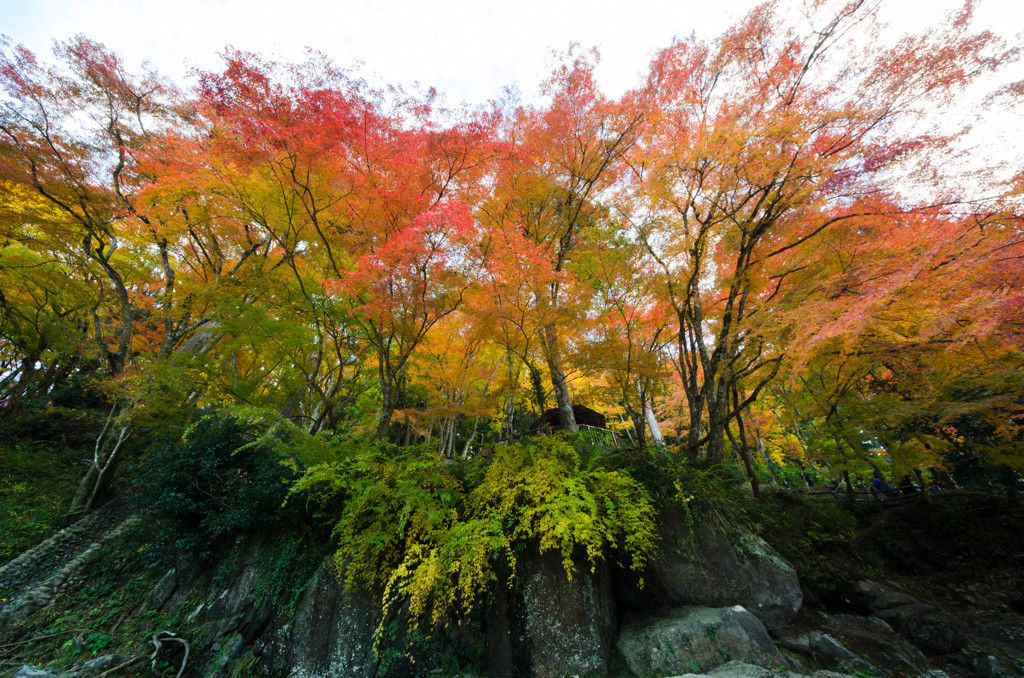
39, 470
214, 487
817, 535
424, 536
287, 563
292, 443
541, 492
703, 494
426, 653
31, 499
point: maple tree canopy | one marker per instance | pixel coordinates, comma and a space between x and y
763, 247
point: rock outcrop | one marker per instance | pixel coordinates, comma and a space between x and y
690, 619
331, 633
548, 625
705, 567
694, 639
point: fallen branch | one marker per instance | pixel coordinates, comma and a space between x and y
112, 671
38, 638
158, 642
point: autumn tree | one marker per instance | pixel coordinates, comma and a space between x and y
756, 145
916, 352
633, 326
559, 160
70, 133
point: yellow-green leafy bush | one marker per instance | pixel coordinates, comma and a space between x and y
413, 530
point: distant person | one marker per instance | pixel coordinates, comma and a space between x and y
882, 487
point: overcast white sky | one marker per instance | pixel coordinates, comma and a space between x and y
468, 49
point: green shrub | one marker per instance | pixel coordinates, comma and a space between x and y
213, 488
414, 530
713, 494
41, 453
817, 535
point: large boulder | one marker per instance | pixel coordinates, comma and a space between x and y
738, 669
928, 627
705, 567
547, 625
329, 634
868, 596
875, 643
694, 639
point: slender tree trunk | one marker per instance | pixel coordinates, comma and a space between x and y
553, 355
28, 371
638, 427
449, 450
924, 488
695, 407
407, 436
849, 485
106, 456
476, 420
652, 424
804, 475
741, 449
768, 461
107, 469
387, 407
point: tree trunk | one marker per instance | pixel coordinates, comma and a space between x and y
553, 355
107, 469
924, 488
718, 422
106, 456
652, 424
638, 427
768, 461
28, 371
741, 449
387, 405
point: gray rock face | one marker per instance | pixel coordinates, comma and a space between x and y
876, 644
738, 669
930, 628
163, 590
833, 654
695, 639
32, 672
1001, 632
870, 596
851, 643
97, 666
550, 626
711, 569
331, 635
